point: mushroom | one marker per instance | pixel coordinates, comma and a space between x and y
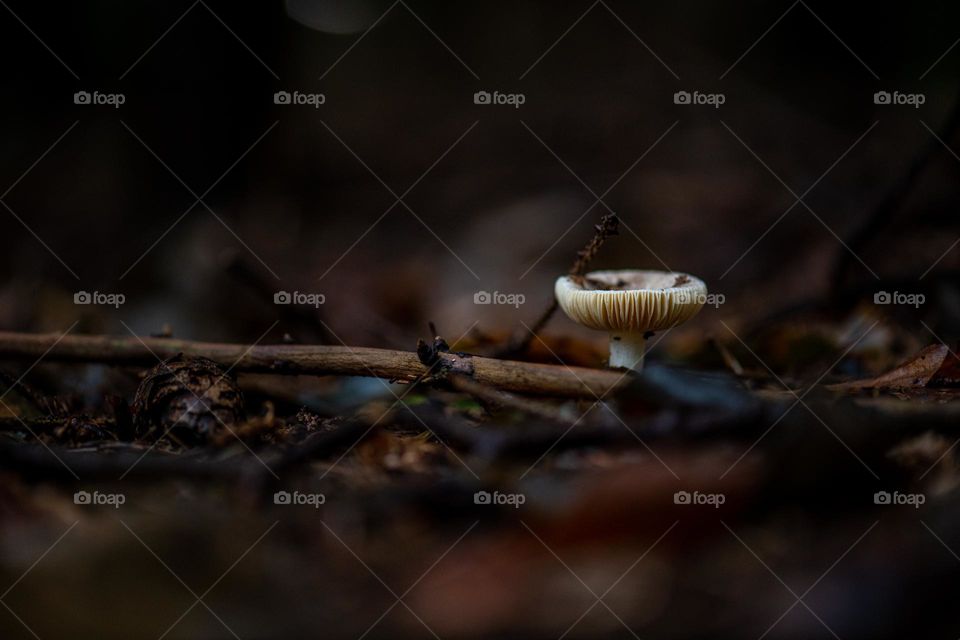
630, 305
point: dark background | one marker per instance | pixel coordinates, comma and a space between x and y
599, 99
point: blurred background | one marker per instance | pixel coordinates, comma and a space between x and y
496, 197
149, 150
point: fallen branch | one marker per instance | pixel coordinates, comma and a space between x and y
59, 464
497, 397
402, 366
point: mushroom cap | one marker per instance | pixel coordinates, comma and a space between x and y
637, 300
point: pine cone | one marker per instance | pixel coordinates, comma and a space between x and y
192, 399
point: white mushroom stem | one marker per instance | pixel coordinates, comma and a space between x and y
626, 350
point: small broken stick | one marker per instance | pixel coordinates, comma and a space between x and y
439, 360
609, 226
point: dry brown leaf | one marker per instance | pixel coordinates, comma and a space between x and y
916, 372
948, 375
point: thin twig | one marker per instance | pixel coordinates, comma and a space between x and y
402, 366
494, 396
609, 225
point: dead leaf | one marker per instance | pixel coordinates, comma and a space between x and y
948, 375
916, 372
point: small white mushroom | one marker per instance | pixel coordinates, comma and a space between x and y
629, 305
